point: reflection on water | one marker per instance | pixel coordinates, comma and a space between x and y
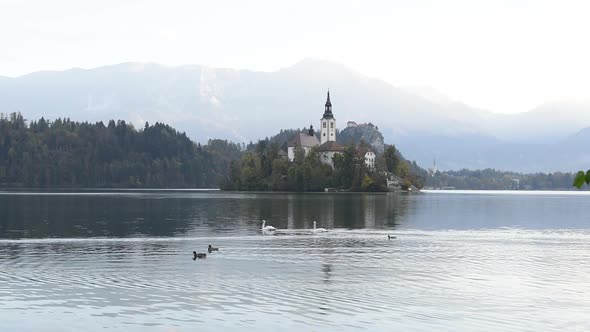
123, 262
123, 214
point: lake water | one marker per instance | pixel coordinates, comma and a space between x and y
462, 261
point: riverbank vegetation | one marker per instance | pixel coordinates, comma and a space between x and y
490, 179
68, 154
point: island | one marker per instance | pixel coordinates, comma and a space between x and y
354, 159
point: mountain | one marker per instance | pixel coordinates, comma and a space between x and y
547, 123
243, 105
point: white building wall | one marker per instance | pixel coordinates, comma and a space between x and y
291, 152
327, 130
370, 159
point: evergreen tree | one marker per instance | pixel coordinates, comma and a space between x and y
64, 153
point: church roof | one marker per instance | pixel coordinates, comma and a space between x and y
331, 146
303, 140
328, 108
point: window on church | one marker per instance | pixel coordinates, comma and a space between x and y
324, 124
331, 124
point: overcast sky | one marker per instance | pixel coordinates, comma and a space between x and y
504, 56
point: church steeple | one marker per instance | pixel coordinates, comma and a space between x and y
328, 110
328, 123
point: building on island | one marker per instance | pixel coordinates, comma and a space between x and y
283, 154
328, 124
328, 150
306, 141
326, 145
369, 156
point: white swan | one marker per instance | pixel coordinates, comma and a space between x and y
267, 229
318, 230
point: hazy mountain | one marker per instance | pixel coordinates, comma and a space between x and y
547, 123
245, 105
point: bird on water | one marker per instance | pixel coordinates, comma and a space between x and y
318, 230
211, 248
267, 229
391, 237
199, 255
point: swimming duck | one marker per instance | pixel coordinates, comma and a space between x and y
389, 237
210, 249
199, 255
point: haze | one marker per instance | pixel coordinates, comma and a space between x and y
504, 56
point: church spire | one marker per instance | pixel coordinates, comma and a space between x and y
328, 110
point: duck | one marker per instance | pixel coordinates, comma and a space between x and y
267, 229
211, 248
390, 237
318, 230
199, 255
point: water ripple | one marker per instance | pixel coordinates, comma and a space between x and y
507, 279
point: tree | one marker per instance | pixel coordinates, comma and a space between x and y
402, 170
581, 179
299, 155
391, 158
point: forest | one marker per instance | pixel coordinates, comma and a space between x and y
491, 179
68, 154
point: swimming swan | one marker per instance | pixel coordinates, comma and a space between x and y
267, 229
318, 230
210, 249
199, 255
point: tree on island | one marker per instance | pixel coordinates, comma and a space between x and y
262, 168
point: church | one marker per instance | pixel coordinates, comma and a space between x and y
327, 146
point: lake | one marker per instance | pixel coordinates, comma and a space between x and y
461, 261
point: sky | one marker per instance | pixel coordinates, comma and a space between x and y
503, 56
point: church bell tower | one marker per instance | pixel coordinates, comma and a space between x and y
328, 124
